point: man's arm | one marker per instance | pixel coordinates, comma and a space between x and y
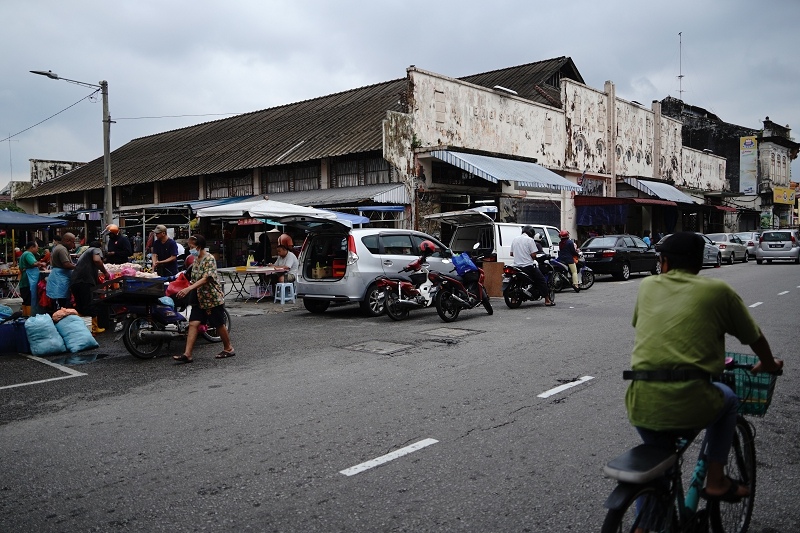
99, 262
767, 362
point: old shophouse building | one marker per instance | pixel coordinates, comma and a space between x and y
533, 140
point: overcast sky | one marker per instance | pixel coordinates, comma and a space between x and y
204, 60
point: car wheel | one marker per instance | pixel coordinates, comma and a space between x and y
315, 306
769, 261
732, 258
746, 258
797, 260
657, 269
759, 261
625, 274
373, 303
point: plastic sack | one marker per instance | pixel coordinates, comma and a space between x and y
166, 300
76, 335
5, 311
43, 336
178, 285
127, 271
463, 263
61, 313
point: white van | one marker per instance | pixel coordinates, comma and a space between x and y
494, 237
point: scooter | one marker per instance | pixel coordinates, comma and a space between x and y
519, 287
401, 296
563, 277
455, 294
146, 327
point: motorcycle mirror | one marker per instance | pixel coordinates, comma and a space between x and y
476, 246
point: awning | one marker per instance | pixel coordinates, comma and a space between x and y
385, 193
660, 190
495, 169
724, 208
613, 200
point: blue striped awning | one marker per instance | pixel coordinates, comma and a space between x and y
495, 169
657, 189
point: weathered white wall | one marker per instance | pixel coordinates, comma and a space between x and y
449, 112
585, 117
633, 148
43, 170
701, 170
671, 145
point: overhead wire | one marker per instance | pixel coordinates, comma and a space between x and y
51, 116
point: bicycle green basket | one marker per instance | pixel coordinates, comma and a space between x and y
754, 390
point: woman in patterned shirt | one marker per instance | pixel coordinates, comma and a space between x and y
210, 302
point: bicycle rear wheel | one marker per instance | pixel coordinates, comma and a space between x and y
735, 517
648, 510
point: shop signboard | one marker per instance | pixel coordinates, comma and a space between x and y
783, 195
748, 164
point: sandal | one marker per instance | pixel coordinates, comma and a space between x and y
551, 304
730, 496
181, 359
224, 355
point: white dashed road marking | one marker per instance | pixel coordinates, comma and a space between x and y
353, 470
565, 386
756, 304
70, 373
782, 293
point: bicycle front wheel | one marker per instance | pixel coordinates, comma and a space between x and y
735, 517
648, 510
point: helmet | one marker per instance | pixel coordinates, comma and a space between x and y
528, 230
537, 237
188, 261
112, 228
563, 234
427, 247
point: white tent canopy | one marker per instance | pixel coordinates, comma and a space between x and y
263, 209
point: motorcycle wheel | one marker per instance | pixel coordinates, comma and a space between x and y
487, 303
559, 283
210, 334
552, 290
512, 296
446, 308
136, 347
587, 279
395, 311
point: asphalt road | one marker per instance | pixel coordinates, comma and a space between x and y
258, 442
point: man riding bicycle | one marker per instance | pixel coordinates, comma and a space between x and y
681, 320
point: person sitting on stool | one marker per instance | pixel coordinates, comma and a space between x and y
287, 265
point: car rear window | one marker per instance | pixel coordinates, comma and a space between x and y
371, 243
721, 237
600, 242
775, 236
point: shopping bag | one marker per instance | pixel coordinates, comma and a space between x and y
177, 285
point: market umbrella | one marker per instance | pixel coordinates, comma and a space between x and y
262, 209
14, 219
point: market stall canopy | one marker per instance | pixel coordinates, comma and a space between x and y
271, 209
14, 219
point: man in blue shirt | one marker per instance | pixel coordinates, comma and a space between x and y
165, 253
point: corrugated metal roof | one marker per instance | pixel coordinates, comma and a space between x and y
389, 193
339, 124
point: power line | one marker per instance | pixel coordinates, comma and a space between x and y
48, 118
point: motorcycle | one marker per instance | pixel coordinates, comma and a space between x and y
401, 296
455, 294
563, 277
519, 287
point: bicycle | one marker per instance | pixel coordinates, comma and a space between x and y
650, 495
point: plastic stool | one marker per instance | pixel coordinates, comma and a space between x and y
284, 292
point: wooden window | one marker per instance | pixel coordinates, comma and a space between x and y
180, 190
287, 179
137, 194
227, 186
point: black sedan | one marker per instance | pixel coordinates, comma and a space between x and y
620, 255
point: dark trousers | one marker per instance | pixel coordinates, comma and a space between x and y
82, 293
538, 279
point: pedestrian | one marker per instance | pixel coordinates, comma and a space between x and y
681, 320
568, 255
61, 268
165, 253
646, 237
119, 249
137, 243
29, 276
208, 303
286, 265
84, 281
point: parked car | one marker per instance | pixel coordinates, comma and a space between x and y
494, 237
711, 254
339, 264
730, 246
620, 255
750, 239
778, 244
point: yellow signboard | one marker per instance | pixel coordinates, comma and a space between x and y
783, 195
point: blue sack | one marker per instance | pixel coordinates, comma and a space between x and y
43, 336
76, 335
463, 263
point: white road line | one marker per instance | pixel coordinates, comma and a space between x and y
71, 373
565, 386
353, 470
756, 304
782, 293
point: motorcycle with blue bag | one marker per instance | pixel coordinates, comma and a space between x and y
464, 291
149, 318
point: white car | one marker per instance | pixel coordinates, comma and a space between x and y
730, 246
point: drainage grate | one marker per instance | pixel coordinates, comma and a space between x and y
379, 347
450, 332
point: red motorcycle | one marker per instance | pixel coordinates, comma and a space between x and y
401, 296
465, 291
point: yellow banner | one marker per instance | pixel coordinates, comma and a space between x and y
783, 195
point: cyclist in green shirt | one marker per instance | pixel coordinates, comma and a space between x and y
681, 320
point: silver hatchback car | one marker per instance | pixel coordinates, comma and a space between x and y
339, 264
782, 244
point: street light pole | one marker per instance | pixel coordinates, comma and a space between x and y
103, 86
